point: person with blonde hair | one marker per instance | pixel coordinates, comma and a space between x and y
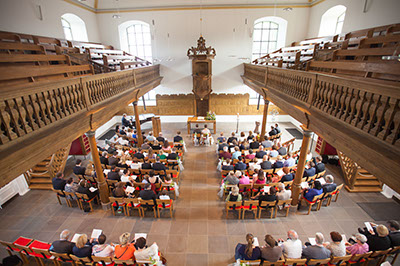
234, 195
247, 251
125, 250
83, 247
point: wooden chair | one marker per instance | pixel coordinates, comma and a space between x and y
296, 262
134, 204
10, 247
165, 204
101, 260
174, 174
70, 198
61, 258
144, 204
378, 256
336, 192
124, 262
340, 260
314, 201
395, 252
250, 205
273, 263
143, 262
169, 188
59, 193
321, 174
83, 198
81, 261
360, 259
265, 205
318, 262
233, 205
118, 202
250, 262
41, 255
285, 205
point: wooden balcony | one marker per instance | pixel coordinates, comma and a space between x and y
37, 119
360, 117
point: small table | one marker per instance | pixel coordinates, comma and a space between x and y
194, 120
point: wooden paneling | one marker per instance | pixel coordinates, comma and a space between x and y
221, 104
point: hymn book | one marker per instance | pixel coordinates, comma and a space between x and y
96, 233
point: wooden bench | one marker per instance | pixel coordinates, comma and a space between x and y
21, 48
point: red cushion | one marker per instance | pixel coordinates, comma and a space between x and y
170, 189
236, 208
166, 206
309, 201
248, 207
40, 245
131, 205
23, 241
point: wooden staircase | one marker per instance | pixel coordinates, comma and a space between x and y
356, 178
40, 176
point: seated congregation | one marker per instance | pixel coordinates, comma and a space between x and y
376, 245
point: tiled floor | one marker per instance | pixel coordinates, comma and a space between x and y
198, 234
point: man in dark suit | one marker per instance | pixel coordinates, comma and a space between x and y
148, 194
160, 137
254, 145
113, 160
78, 169
394, 233
311, 169
147, 165
266, 164
282, 150
272, 132
63, 245
329, 186
111, 149
139, 155
240, 165
261, 153
228, 166
113, 174
103, 158
173, 155
178, 137
158, 166
59, 182
125, 121
278, 163
288, 175
319, 166
222, 145
232, 138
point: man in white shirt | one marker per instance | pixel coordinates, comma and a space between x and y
122, 141
102, 249
205, 130
150, 137
292, 248
283, 194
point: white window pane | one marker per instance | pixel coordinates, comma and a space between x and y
131, 39
272, 47
273, 35
139, 39
140, 51
273, 25
258, 25
265, 36
145, 29
264, 47
147, 50
256, 47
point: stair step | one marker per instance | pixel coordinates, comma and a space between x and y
40, 175
363, 189
359, 183
361, 177
39, 168
38, 180
41, 186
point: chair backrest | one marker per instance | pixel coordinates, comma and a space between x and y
43, 252
273, 263
244, 187
250, 262
338, 188
379, 253
358, 257
233, 204
297, 262
284, 202
81, 260
133, 201
318, 197
81, 196
8, 245
395, 250
318, 262
123, 262
61, 256
69, 195
102, 260
146, 202
118, 200
165, 202
58, 191
340, 260
267, 203
248, 203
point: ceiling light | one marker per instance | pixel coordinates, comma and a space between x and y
287, 9
116, 16
82, 0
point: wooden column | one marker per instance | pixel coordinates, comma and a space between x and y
264, 121
296, 188
102, 184
138, 129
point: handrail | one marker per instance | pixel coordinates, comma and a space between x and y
26, 108
364, 104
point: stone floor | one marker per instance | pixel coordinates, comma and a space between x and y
199, 233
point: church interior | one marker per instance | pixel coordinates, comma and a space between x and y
200, 132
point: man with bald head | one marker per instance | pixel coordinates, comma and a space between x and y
292, 247
317, 251
63, 245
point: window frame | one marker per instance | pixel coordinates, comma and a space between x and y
264, 30
130, 31
69, 28
340, 20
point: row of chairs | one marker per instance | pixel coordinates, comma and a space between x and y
128, 205
28, 248
376, 257
81, 199
256, 208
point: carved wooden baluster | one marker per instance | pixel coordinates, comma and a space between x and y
328, 101
59, 103
34, 102
63, 99
30, 114
390, 122
14, 116
360, 105
74, 97
363, 116
90, 87
23, 121
53, 104
339, 93
7, 133
372, 119
393, 137
47, 105
380, 115
352, 105
324, 90
68, 99
81, 97
344, 101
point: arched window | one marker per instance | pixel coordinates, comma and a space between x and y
135, 38
74, 27
332, 21
269, 34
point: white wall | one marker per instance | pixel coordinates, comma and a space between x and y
23, 16
184, 30
379, 12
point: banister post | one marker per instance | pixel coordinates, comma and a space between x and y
102, 184
137, 124
264, 121
296, 188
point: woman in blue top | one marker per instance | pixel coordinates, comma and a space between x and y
83, 247
249, 251
309, 194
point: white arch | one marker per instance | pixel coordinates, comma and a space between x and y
78, 27
332, 21
123, 36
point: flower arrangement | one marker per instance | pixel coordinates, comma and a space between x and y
210, 116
